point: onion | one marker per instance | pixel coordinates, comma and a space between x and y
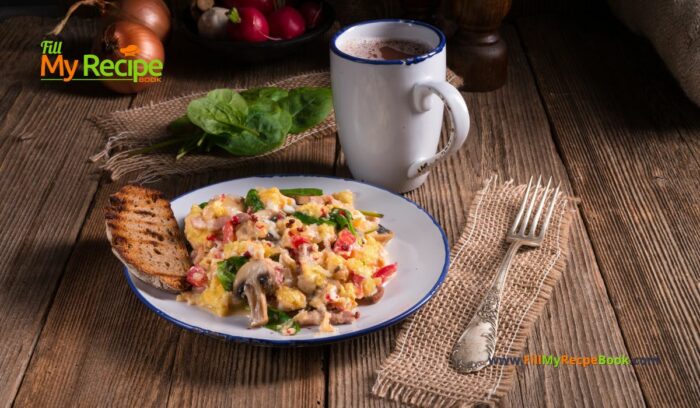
121, 35
153, 14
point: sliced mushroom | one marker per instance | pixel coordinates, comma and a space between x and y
344, 317
256, 279
300, 200
374, 298
384, 235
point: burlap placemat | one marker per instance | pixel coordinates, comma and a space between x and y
418, 371
130, 130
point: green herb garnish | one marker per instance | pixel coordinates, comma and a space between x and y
204, 204
308, 219
372, 214
226, 270
281, 322
253, 202
338, 217
343, 219
296, 192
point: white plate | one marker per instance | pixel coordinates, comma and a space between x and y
419, 246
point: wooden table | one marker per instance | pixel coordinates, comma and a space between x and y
586, 102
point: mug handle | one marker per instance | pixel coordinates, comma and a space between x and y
458, 126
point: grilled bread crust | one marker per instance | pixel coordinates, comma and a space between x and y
145, 236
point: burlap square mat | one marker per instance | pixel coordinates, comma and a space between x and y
130, 130
418, 371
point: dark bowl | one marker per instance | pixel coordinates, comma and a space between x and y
261, 51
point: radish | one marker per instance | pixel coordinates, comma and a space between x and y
248, 24
286, 23
265, 6
311, 11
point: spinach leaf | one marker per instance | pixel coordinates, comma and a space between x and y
280, 321
226, 270
295, 192
266, 127
248, 123
343, 219
308, 107
271, 93
307, 219
253, 202
183, 126
222, 111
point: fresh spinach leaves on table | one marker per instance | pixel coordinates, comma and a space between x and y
247, 123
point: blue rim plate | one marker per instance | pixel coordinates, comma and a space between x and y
420, 247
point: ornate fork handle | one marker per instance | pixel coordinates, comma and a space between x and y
475, 347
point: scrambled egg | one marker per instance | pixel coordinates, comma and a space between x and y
327, 251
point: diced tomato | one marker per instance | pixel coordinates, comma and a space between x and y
385, 272
211, 237
197, 277
356, 279
229, 231
357, 282
298, 240
344, 241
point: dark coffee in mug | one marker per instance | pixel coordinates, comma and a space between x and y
384, 48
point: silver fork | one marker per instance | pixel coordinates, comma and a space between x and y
474, 349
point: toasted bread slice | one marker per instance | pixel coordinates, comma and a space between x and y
145, 236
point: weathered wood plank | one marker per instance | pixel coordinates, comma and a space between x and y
512, 139
101, 345
47, 185
638, 178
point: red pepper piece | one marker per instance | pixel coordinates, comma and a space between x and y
385, 272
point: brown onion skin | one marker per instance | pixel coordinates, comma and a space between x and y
121, 34
153, 14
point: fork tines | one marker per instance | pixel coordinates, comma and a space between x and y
519, 230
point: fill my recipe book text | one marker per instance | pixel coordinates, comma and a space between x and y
54, 67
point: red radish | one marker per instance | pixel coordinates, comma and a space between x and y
311, 11
266, 6
286, 23
248, 24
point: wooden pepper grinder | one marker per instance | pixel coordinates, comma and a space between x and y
477, 52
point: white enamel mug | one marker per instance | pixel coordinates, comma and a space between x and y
389, 113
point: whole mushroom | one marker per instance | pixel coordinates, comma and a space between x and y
256, 279
212, 23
